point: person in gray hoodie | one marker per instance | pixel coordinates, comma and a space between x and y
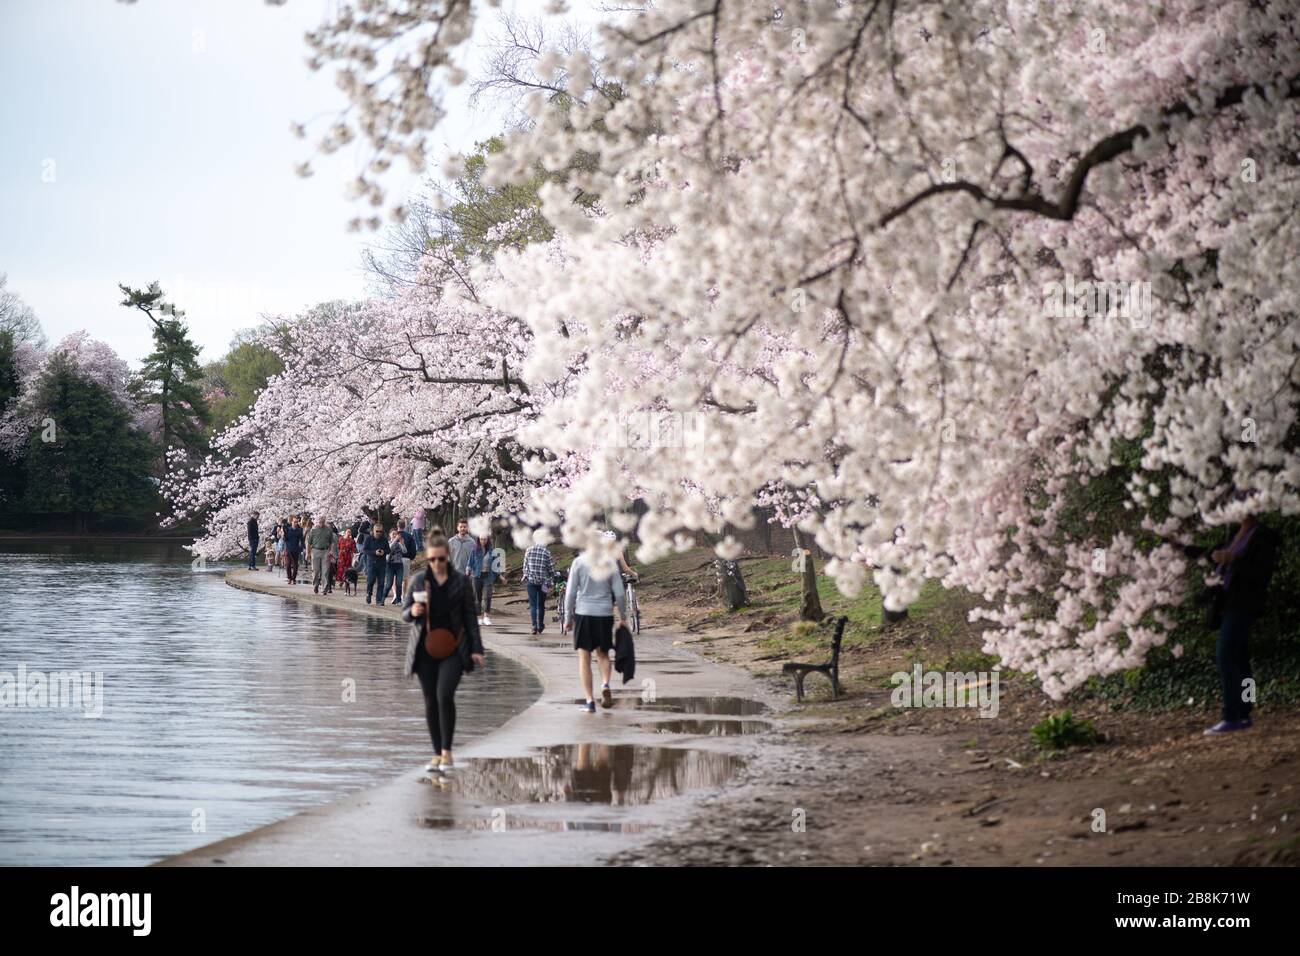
461, 546
590, 603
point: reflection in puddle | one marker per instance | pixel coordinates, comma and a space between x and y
612, 774
708, 728
507, 821
709, 706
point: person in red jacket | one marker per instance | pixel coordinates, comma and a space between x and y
347, 548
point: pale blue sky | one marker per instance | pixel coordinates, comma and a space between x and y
164, 127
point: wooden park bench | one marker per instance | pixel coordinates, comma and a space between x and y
831, 668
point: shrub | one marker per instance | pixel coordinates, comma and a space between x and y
1062, 730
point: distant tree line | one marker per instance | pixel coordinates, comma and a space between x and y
82, 436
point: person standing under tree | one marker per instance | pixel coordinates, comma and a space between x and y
293, 539
417, 529
590, 602
461, 546
397, 562
252, 542
321, 539
538, 573
408, 542
444, 644
1245, 565
347, 549
482, 572
331, 566
375, 548
304, 525
279, 543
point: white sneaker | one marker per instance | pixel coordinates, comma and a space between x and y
480, 620
487, 621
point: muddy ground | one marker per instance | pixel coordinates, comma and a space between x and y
858, 781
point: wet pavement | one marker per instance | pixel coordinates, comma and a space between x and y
554, 785
709, 728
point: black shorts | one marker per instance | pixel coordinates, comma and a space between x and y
593, 633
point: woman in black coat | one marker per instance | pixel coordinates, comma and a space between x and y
445, 604
1245, 562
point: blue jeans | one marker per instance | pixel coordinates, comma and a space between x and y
418, 534
483, 594
395, 574
376, 577
252, 555
537, 606
1232, 653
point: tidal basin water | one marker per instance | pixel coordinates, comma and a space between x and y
223, 710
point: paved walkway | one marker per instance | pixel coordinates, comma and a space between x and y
554, 785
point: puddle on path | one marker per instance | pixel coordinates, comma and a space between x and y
708, 706
708, 728
513, 821
610, 774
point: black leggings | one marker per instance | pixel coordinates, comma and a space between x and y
438, 680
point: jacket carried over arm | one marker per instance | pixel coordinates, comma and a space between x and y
464, 612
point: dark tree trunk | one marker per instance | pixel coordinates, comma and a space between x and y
888, 617
810, 602
731, 584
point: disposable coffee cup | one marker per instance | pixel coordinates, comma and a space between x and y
419, 597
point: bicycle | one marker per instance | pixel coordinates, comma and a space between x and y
633, 607
560, 580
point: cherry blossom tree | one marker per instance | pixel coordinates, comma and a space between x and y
996, 245
408, 403
921, 273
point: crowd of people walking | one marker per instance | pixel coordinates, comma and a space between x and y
447, 602
338, 556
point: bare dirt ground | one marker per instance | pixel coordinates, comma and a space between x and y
858, 781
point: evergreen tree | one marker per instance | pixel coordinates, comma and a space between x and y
171, 376
10, 470
9, 381
84, 455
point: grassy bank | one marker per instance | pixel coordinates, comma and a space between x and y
937, 634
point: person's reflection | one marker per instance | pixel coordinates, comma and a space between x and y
601, 773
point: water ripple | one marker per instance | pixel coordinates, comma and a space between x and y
217, 702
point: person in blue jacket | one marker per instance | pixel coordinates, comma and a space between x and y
375, 547
484, 568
